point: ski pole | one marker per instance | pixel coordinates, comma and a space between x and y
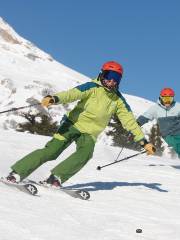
15, 109
119, 154
123, 159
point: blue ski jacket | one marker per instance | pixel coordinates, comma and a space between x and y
168, 118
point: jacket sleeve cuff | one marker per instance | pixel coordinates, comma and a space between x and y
56, 99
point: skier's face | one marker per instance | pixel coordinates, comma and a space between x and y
110, 84
111, 79
167, 100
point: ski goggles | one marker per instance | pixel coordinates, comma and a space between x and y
167, 99
108, 75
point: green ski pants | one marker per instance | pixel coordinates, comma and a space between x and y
70, 166
174, 141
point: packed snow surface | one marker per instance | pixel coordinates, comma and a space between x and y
142, 192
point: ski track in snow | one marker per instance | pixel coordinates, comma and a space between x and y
139, 193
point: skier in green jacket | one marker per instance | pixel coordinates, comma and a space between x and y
98, 101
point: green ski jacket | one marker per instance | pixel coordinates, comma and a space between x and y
95, 108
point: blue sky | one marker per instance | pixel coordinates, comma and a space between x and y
143, 35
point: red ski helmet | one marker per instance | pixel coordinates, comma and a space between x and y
113, 66
167, 92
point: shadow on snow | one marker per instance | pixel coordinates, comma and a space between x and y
97, 186
162, 165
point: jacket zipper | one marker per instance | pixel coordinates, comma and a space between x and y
166, 112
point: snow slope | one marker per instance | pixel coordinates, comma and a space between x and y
142, 192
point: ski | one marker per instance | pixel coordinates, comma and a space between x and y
76, 193
24, 187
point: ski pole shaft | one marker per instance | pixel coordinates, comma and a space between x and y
123, 159
119, 154
15, 109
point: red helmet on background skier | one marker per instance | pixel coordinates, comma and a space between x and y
167, 92
111, 74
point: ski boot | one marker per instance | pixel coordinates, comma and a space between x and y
52, 181
13, 177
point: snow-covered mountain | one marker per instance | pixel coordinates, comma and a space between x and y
28, 73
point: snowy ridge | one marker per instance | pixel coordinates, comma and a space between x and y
139, 193
27, 73
11, 41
